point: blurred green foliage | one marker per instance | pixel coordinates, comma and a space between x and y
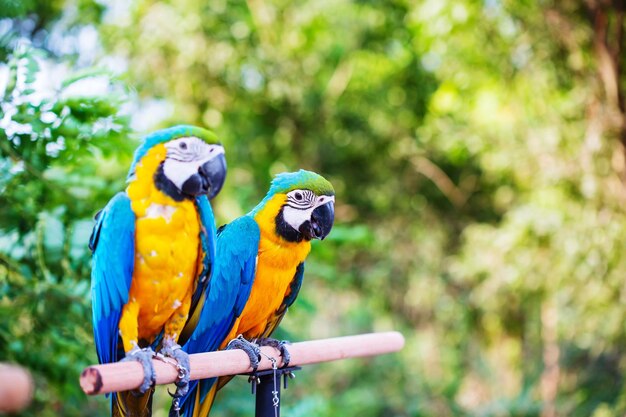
56, 150
475, 149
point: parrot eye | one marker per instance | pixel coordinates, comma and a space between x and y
182, 145
298, 196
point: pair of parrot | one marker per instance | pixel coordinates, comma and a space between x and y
165, 280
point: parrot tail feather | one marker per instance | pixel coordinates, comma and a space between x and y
198, 404
132, 404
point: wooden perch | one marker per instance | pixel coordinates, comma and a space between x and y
125, 376
16, 388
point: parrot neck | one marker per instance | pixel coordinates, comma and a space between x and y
273, 245
142, 189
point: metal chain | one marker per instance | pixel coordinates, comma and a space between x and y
180, 369
275, 397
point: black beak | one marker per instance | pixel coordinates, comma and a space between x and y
208, 180
322, 220
213, 175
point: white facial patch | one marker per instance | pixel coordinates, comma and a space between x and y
295, 217
185, 156
179, 172
300, 206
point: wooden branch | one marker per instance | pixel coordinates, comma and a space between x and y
16, 388
125, 376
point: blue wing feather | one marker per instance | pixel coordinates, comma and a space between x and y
113, 245
295, 286
207, 240
230, 283
226, 295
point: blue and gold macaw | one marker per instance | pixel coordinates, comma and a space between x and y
258, 273
153, 246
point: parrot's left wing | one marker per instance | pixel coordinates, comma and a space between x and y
113, 244
226, 296
230, 284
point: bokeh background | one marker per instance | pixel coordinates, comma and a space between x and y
477, 151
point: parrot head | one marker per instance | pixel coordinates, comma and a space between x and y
194, 162
307, 205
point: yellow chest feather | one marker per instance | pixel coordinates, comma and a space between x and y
166, 248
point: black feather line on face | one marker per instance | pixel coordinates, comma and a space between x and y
284, 230
165, 185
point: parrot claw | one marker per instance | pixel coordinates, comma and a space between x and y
251, 349
280, 345
175, 408
173, 350
143, 356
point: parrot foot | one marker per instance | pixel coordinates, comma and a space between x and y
173, 350
251, 349
280, 345
144, 357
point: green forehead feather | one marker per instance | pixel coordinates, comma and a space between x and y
165, 135
301, 180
